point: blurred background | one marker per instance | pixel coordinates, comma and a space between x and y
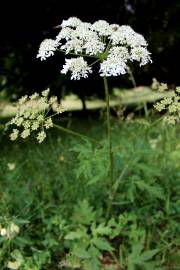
24, 24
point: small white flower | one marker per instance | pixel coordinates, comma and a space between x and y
13, 265
25, 133
47, 48
34, 96
41, 136
112, 67
65, 33
93, 47
102, 27
75, 45
40, 118
35, 125
14, 135
43, 104
23, 99
48, 123
167, 100
141, 55
178, 89
72, 22
52, 100
19, 121
119, 52
78, 67
45, 93
153, 143
170, 119
3, 232
115, 64
84, 25
84, 32
11, 166
137, 40
13, 229
26, 112
58, 108
26, 124
173, 108
123, 35
159, 106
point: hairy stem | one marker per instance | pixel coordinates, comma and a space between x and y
71, 132
109, 136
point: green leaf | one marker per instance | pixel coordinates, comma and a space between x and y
102, 244
74, 235
101, 229
152, 265
155, 190
83, 213
94, 262
139, 258
81, 253
131, 265
95, 179
21, 221
137, 249
149, 254
23, 241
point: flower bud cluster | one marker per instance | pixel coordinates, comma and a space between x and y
10, 231
17, 261
32, 116
170, 104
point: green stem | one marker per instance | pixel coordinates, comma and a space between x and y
131, 77
108, 47
69, 131
146, 111
109, 207
2, 126
94, 62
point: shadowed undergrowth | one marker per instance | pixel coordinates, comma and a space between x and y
57, 194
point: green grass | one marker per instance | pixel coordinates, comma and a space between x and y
42, 193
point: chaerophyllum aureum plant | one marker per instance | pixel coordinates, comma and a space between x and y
110, 46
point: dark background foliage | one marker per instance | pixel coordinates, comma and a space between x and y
24, 24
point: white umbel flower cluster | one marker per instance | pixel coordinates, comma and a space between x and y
78, 67
110, 44
47, 48
72, 22
141, 55
125, 35
32, 116
115, 64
